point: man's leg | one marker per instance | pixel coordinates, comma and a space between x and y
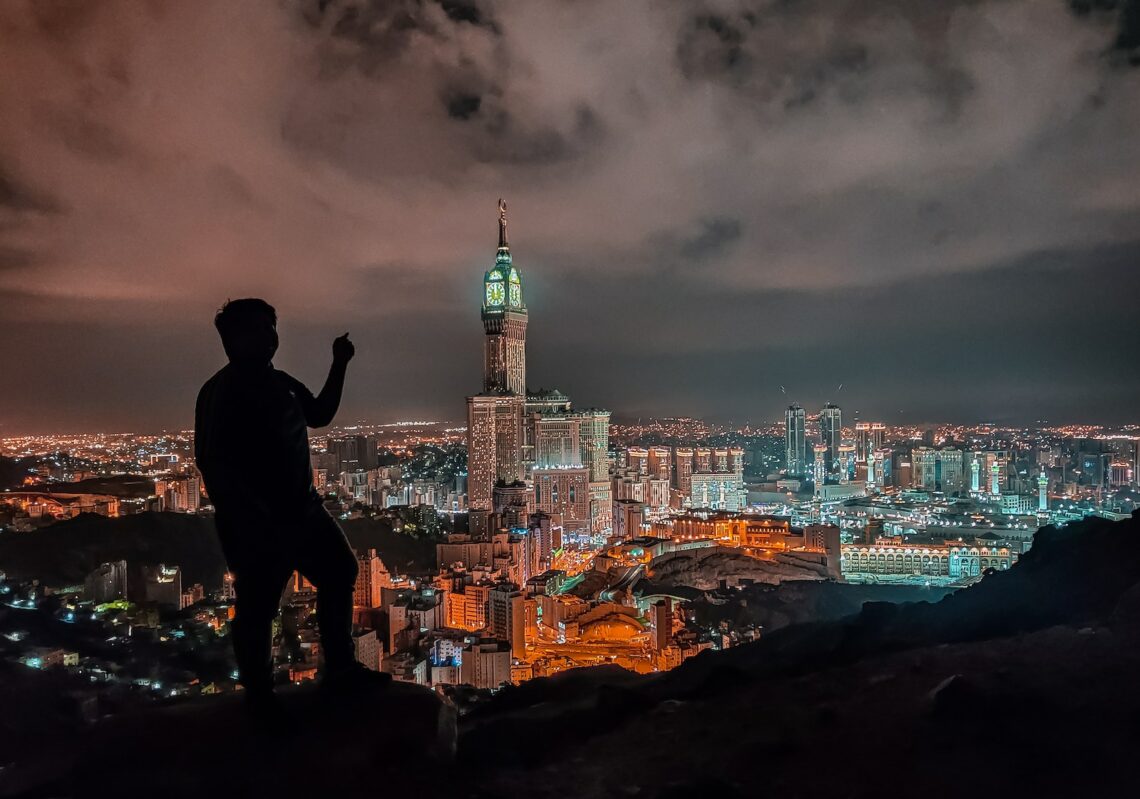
257, 597
259, 579
323, 555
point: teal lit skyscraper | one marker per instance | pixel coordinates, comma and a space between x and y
831, 434
794, 422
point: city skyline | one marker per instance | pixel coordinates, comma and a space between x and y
721, 211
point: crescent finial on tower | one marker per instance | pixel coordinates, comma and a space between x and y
502, 224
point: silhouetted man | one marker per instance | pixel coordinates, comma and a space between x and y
252, 447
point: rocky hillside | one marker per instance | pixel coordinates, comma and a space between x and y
706, 568
1023, 684
774, 607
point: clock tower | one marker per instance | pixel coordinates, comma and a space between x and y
504, 321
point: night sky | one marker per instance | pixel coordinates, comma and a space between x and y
933, 203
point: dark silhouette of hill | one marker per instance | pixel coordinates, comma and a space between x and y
124, 486
374, 743
12, 472
774, 607
1025, 667
1022, 685
64, 553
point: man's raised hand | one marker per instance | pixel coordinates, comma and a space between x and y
343, 350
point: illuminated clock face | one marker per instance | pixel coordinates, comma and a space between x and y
514, 276
495, 293
516, 295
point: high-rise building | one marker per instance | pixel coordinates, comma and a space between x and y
557, 440
629, 514
495, 417
594, 439
845, 465
162, 584
513, 503
354, 453
1119, 474
924, 464
367, 648
506, 612
951, 476
107, 583
494, 445
545, 537
831, 434
564, 493
868, 438
794, 422
504, 320
541, 403
938, 470
515, 436
660, 465
371, 580
683, 470
638, 460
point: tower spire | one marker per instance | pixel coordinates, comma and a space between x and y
503, 225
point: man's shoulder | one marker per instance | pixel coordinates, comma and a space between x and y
217, 378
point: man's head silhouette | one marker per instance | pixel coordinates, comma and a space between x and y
248, 328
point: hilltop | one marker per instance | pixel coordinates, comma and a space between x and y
1023, 684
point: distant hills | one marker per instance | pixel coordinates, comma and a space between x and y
123, 486
65, 552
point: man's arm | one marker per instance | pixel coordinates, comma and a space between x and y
320, 410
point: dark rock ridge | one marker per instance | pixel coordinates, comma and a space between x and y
1022, 685
774, 607
368, 744
1035, 665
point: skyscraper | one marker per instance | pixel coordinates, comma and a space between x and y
794, 420
594, 438
868, 438
504, 321
494, 445
495, 417
831, 434
515, 436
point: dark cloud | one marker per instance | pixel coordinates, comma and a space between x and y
463, 106
15, 196
705, 196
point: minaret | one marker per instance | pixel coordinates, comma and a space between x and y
1042, 491
975, 474
819, 467
504, 321
995, 477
